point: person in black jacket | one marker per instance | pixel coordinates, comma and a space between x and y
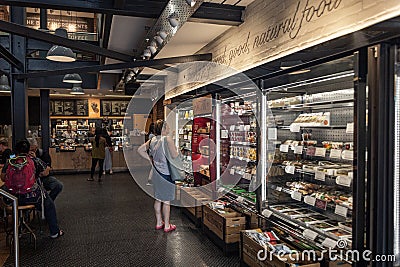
50, 183
5, 151
107, 165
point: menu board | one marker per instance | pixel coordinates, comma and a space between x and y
116, 108
58, 108
124, 107
82, 107
106, 108
69, 107
113, 108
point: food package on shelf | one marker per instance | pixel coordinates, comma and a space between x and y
313, 119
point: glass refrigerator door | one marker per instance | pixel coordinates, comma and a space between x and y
309, 185
238, 146
184, 140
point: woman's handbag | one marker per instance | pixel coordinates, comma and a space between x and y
175, 165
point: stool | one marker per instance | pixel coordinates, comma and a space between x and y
24, 212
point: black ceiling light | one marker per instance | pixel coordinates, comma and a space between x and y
77, 90
60, 53
72, 78
4, 84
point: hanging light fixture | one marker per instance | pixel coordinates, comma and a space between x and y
152, 49
173, 20
162, 34
191, 2
72, 78
147, 53
158, 39
4, 85
60, 53
77, 90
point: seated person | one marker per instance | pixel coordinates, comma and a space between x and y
20, 176
50, 182
5, 151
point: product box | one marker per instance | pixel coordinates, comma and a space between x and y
250, 251
226, 223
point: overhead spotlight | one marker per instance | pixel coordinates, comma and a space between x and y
152, 49
4, 85
60, 53
147, 53
289, 64
162, 34
158, 39
173, 20
77, 90
72, 78
191, 2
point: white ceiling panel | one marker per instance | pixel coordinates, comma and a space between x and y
190, 38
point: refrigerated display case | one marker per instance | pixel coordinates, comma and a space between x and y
310, 187
183, 139
203, 142
238, 147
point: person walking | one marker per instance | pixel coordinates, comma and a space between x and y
164, 187
98, 153
107, 166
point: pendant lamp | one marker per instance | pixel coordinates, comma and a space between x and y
60, 53
77, 90
72, 78
4, 85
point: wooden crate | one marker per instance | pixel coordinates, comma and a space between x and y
226, 226
192, 201
249, 256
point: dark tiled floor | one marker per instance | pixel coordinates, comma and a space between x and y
111, 224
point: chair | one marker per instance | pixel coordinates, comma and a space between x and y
24, 218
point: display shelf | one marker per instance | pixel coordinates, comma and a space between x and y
340, 103
332, 127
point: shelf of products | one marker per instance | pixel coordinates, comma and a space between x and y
309, 187
184, 140
239, 148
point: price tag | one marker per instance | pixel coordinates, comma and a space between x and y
310, 234
290, 169
278, 188
180, 131
295, 128
320, 176
247, 176
336, 153
221, 189
267, 213
296, 195
284, 148
224, 134
309, 200
340, 210
310, 151
247, 128
347, 154
298, 150
350, 128
330, 243
320, 152
232, 128
240, 112
240, 199
344, 180
272, 133
232, 172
